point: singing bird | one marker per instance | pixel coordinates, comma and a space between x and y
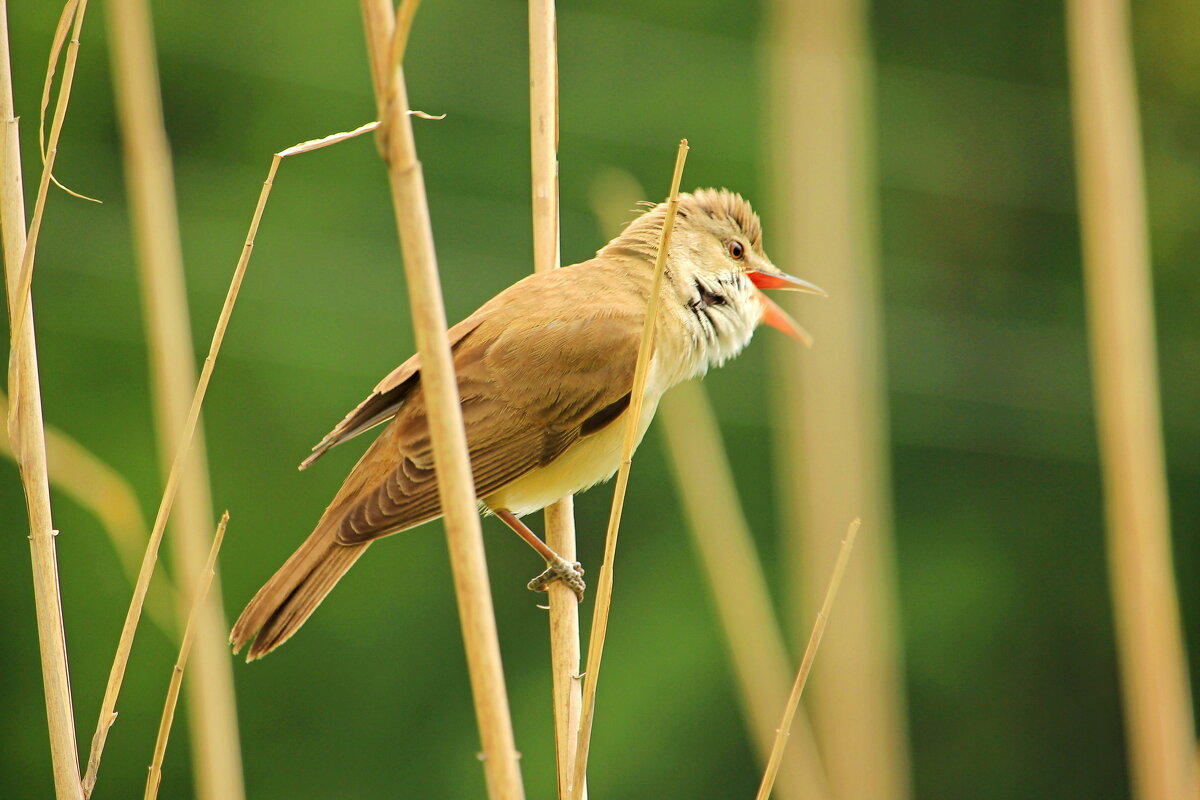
545, 372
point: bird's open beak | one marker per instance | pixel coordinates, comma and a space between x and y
777, 318
781, 280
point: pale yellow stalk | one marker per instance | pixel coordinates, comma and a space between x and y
831, 402
168, 716
721, 536
212, 714
455, 484
637, 396
810, 654
65, 21
117, 673
25, 283
560, 518
405, 13
1160, 732
25, 427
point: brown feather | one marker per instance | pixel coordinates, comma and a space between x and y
520, 407
544, 366
386, 398
534, 376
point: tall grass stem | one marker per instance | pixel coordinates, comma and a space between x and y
560, 517
185, 645
637, 396
26, 433
1160, 730
79, 474
810, 654
455, 484
830, 403
734, 573
177, 396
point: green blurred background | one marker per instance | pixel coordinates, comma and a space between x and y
1012, 684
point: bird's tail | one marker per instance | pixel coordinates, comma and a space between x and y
294, 592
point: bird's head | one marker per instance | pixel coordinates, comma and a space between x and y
717, 265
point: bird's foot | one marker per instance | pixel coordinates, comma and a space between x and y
570, 573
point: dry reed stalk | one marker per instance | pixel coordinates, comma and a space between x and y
116, 676
25, 428
455, 484
1116, 261
164, 726
833, 462
637, 396
60, 37
560, 518
564, 647
810, 653
405, 13
543, 132
212, 713
735, 576
25, 283
104, 492
757, 649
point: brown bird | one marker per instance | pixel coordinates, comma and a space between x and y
545, 370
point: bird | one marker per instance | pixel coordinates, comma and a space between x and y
545, 375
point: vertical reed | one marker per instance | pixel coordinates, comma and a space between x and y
174, 478
72, 15
455, 484
560, 519
25, 429
1116, 259
634, 413
211, 705
722, 538
832, 399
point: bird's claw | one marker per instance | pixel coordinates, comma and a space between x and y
570, 573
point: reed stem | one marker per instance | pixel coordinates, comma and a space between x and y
212, 713
26, 433
455, 483
810, 654
25, 283
637, 396
168, 716
560, 518
107, 495
1160, 733
735, 577
831, 402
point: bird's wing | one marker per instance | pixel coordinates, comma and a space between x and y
533, 380
386, 398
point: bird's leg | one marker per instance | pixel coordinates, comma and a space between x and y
557, 567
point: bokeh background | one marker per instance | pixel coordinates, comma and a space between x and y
1011, 683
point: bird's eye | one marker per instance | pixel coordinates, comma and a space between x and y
736, 249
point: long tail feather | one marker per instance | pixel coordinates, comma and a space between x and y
294, 592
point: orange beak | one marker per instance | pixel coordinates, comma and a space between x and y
781, 280
779, 319
775, 316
